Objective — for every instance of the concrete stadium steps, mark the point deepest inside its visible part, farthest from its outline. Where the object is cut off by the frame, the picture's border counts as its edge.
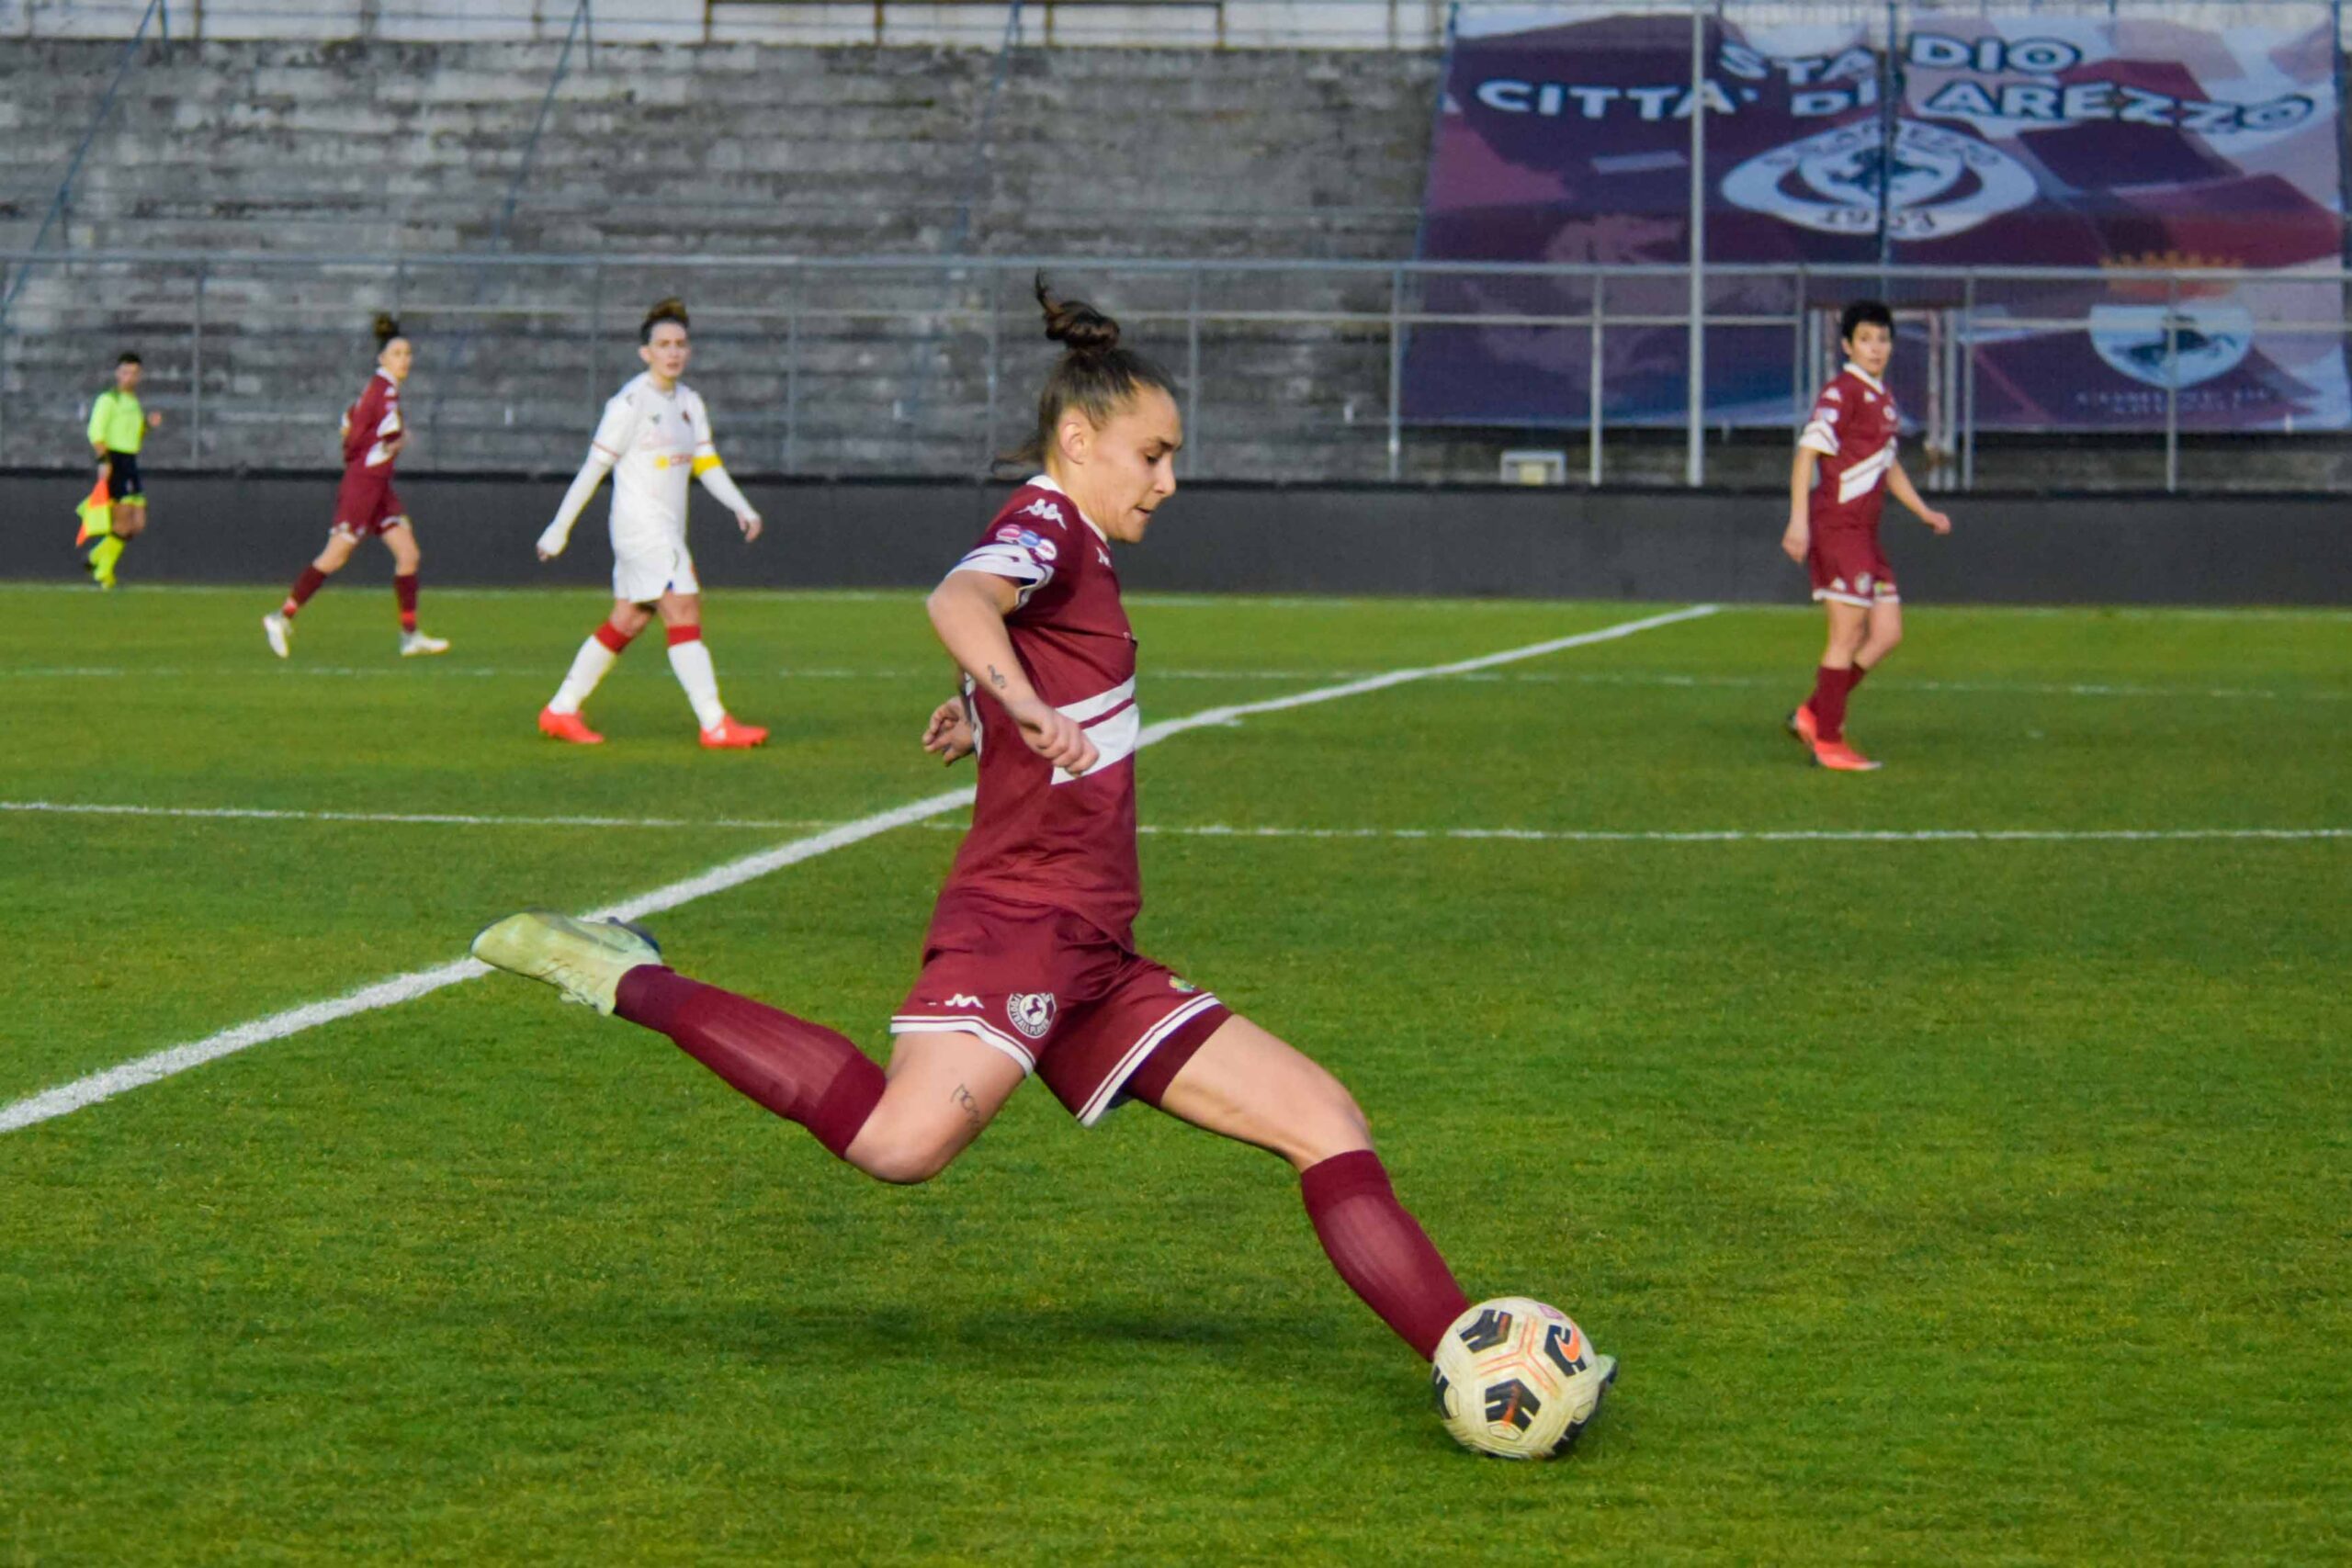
(269, 145)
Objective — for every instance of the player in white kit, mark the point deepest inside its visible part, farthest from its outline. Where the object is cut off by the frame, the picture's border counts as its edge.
(655, 435)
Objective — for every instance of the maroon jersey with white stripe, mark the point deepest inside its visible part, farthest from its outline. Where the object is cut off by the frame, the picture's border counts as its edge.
(369, 424)
(1853, 428)
(1040, 836)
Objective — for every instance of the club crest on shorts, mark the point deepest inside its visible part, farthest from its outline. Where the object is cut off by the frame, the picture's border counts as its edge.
(1032, 1012)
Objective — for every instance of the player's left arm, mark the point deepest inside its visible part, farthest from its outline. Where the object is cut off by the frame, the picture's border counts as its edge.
(715, 480)
(1899, 485)
(97, 431)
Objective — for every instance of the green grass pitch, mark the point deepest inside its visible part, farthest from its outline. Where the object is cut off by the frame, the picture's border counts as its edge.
(1949, 1199)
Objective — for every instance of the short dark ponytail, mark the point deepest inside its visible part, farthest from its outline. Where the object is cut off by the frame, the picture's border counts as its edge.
(1094, 374)
(386, 329)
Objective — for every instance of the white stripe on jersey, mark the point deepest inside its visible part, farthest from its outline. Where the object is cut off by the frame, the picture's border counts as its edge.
(1008, 560)
(1819, 437)
(1091, 708)
(1864, 477)
(1115, 739)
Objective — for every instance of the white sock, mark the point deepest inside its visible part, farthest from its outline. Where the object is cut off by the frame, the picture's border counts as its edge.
(691, 663)
(588, 667)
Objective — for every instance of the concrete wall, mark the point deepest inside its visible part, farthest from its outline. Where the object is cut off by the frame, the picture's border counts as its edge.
(1368, 540)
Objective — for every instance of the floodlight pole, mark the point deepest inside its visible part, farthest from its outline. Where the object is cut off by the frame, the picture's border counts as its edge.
(1695, 465)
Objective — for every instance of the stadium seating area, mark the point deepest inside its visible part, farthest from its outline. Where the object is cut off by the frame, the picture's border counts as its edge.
(368, 151)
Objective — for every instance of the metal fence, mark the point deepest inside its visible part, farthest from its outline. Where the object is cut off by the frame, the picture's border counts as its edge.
(902, 366)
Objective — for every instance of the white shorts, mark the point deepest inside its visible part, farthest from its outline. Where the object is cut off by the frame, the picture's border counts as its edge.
(641, 576)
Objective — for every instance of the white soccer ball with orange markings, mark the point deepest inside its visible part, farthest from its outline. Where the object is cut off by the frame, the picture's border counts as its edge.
(1516, 1379)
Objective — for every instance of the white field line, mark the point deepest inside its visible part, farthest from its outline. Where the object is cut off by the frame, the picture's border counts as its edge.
(1543, 677)
(1760, 835)
(86, 1091)
(1225, 830)
(425, 818)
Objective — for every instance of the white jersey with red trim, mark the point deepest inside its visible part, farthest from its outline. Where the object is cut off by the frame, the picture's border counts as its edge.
(657, 441)
(1040, 835)
(1853, 427)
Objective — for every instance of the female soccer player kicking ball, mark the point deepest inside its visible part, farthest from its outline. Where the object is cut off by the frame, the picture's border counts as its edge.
(655, 431)
(1030, 965)
(1833, 528)
(367, 506)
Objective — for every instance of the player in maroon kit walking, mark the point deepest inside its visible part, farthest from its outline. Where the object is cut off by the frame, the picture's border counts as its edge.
(1030, 964)
(1833, 528)
(367, 506)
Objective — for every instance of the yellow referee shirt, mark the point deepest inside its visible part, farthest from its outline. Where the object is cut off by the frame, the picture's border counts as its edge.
(117, 422)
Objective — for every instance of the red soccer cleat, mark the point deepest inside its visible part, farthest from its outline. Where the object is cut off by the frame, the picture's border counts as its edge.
(568, 726)
(1839, 757)
(728, 735)
(1801, 726)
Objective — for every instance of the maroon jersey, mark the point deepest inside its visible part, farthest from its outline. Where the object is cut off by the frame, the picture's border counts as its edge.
(1039, 835)
(370, 425)
(1853, 428)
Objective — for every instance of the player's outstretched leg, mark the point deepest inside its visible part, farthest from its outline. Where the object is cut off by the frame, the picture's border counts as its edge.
(801, 1071)
(1247, 1085)
(561, 718)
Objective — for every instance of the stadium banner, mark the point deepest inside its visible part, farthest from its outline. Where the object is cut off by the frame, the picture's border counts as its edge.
(2122, 144)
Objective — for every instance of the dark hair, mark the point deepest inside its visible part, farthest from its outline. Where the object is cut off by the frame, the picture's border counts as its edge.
(387, 329)
(1864, 314)
(128, 356)
(671, 309)
(1094, 374)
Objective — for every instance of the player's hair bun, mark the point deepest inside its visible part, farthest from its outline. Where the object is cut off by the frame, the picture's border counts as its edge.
(670, 310)
(1075, 324)
(386, 328)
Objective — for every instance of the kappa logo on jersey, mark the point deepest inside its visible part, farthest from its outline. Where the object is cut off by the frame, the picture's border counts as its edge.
(1045, 509)
(1031, 1012)
(1103, 555)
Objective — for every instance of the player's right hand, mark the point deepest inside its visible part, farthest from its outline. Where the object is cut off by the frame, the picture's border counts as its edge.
(551, 543)
(948, 736)
(1797, 540)
(1053, 735)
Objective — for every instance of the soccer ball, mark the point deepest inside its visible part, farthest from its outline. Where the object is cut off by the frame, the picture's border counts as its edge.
(1516, 1379)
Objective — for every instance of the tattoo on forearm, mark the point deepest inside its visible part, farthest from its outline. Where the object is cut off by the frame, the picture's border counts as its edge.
(996, 678)
(963, 1097)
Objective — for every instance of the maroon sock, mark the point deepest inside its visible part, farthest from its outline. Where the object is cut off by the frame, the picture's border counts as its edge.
(804, 1072)
(404, 590)
(1380, 1249)
(1854, 677)
(1829, 702)
(310, 582)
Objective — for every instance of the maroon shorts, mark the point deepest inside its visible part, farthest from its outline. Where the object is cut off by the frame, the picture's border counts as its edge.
(1058, 996)
(367, 504)
(1848, 566)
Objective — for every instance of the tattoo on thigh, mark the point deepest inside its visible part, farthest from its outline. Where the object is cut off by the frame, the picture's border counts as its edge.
(963, 1097)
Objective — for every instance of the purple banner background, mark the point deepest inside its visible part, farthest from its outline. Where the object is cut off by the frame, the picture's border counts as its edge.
(2017, 140)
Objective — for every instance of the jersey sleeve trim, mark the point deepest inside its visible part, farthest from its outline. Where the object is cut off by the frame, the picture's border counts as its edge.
(1819, 437)
(1009, 562)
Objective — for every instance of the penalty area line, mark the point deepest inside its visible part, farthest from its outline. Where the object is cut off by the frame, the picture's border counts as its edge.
(84, 1092)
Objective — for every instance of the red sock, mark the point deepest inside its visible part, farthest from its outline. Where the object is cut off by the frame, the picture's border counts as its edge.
(684, 633)
(1854, 677)
(804, 1072)
(1829, 702)
(1380, 1249)
(612, 637)
(310, 582)
(404, 590)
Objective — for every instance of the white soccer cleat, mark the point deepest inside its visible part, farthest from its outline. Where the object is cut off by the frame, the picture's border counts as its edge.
(583, 960)
(280, 632)
(415, 645)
